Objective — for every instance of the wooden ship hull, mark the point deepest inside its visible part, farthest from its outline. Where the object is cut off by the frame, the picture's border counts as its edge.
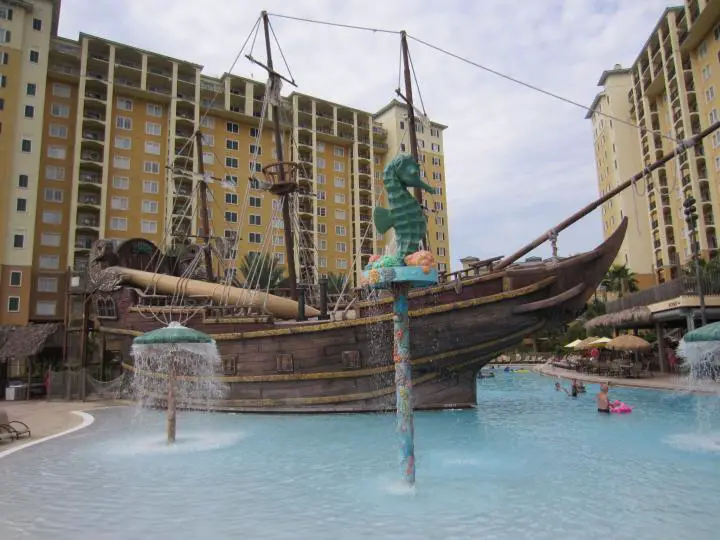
(346, 365)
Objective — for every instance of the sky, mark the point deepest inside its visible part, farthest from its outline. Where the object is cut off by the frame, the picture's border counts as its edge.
(517, 162)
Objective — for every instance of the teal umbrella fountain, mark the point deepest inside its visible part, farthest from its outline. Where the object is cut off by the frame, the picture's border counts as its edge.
(178, 363)
(701, 349)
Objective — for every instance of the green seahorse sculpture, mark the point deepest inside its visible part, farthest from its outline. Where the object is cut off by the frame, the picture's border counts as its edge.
(405, 214)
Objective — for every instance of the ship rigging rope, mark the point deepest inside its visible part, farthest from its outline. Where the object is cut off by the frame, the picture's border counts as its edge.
(479, 66)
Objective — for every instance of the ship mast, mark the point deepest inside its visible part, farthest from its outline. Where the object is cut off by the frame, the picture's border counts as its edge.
(204, 216)
(288, 186)
(408, 98)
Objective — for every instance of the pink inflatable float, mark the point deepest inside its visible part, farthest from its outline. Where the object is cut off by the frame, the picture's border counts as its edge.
(620, 407)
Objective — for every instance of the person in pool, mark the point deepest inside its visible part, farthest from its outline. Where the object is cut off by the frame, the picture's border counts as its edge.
(603, 402)
(559, 387)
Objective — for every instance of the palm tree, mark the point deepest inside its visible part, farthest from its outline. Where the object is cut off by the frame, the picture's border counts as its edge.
(336, 282)
(620, 279)
(259, 269)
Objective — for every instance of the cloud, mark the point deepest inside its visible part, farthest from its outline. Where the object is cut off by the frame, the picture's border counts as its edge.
(517, 161)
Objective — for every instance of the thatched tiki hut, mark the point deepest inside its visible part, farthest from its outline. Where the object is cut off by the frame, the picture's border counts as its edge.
(26, 352)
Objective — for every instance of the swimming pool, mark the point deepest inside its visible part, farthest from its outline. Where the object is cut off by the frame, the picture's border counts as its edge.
(528, 463)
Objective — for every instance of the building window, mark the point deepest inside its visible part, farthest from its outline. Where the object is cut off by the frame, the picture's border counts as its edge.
(58, 131)
(50, 239)
(123, 122)
(61, 90)
(37, 24)
(338, 166)
(123, 143)
(153, 128)
(4, 35)
(124, 104)
(53, 195)
(340, 198)
(15, 278)
(151, 186)
(26, 146)
(121, 182)
(119, 203)
(47, 284)
(231, 162)
(3, 80)
(340, 230)
(339, 151)
(153, 109)
(56, 152)
(339, 182)
(340, 214)
(59, 110)
(255, 219)
(255, 149)
(149, 227)
(152, 147)
(13, 304)
(233, 127)
(21, 205)
(46, 308)
(321, 163)
(121, 162)
(151, 167)
(321, 211)
(208, 158)
(6, 13)
(49, 262)
(231, 217)
(52, 217)
(231, 198)
(150, 207)
(232, 144)
(340, 247)
(321, 195)
(341, 263)
(34, 56)
(19, 240)
(29, 111)
(23, 181)
(118, 224)
(4, 58)
(256, 202)
(255, 238)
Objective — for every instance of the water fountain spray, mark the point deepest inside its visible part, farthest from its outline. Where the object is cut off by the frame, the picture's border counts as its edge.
(177, 365)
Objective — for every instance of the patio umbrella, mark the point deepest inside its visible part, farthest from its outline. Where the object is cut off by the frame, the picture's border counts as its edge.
(701, 347)
(628, 342)
(572, 344)
(593, 343)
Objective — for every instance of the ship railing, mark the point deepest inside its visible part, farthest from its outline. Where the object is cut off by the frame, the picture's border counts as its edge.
(477, 268)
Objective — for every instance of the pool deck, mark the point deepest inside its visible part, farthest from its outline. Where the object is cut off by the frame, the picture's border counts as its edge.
(47, 418)
(659, 381)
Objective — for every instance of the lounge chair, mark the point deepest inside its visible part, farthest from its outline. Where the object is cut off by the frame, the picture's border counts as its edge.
(15, 427)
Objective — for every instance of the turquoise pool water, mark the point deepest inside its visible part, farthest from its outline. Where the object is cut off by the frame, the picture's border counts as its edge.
(528, 463)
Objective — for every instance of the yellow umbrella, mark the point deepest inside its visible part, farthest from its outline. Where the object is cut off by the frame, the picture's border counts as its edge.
(572, 344)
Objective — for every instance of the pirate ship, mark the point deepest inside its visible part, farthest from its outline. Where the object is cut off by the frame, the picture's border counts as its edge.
(285, 355)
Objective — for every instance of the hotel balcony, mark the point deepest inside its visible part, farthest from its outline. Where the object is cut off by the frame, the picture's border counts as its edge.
(93, 118)
(90, 178)
(379, 131)
(87, 221)
(93, 139)
(89, 200)
(85, 241)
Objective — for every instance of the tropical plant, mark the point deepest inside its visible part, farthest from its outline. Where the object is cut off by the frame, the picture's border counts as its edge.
(336, 282)
(620, 279)
(262, 271)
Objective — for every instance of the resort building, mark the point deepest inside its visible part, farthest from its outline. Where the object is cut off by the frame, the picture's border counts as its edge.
(670, 92)
(97, 141)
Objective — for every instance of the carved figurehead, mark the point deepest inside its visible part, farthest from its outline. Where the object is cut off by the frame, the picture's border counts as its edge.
(405, 214)
(103, 274)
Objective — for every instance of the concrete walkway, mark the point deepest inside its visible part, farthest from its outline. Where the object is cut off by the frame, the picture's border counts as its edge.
(660, 381)
(45, 418)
